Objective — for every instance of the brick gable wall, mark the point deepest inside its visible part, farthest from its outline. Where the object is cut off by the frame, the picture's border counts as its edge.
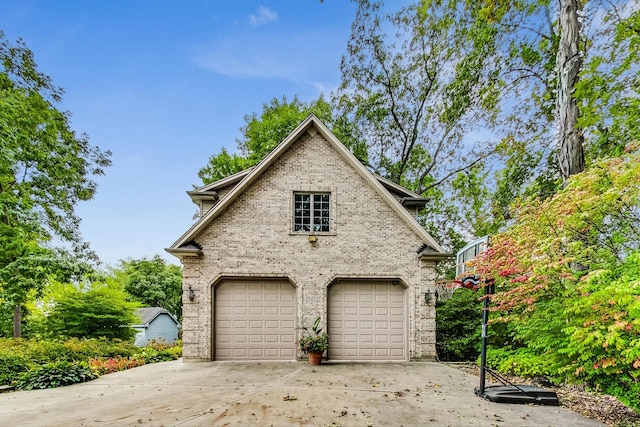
(253, 238)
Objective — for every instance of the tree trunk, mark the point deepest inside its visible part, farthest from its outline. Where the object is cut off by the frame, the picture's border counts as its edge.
(17, 321)
(569, 64)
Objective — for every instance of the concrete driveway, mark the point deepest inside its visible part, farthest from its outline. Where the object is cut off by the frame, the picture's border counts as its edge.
(276, 394)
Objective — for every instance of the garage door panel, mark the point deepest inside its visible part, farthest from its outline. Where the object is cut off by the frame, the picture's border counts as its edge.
(381, 311)
(366, 324)
(367, 321)
(237, 297)
(396, 325)
(366, 298)
(382, 298)
(239, 310)
(240, 324)
(382, 339)
(254, 320)
(396, 338)
(366, 311)
(287, 324)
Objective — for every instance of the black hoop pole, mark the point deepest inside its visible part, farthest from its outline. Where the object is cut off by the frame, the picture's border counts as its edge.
(488, 290)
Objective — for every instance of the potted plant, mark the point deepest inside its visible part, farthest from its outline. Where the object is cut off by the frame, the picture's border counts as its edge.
(315, 343)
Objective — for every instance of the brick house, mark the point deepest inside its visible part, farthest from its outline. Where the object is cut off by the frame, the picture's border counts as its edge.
(307, 232)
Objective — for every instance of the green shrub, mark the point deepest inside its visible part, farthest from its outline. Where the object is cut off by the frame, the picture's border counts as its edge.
(623, 387)
(458, 326)
(20, 355)
(85, 349)
(175, 351)
(55, 374)
(102, 311)
(11, 366)
(114, 364)
(520, 362)
(151, 355)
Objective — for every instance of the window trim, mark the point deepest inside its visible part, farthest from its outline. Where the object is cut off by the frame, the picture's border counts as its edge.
(332, 210)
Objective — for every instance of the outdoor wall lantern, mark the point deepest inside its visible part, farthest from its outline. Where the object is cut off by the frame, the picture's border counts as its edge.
(192, 294)
(427, 297)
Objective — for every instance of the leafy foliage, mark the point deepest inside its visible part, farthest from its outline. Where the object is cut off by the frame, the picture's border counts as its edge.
(114, 364)
(18, 356)
(415, 86)
(316, 341)
(45, 171)
(56, 374)
(153, 355)
(609, 88)
(568, 277)
(101, 311)
(22, 359)
(151, 282)
(458, 326)
(519, 362)
(413, 97)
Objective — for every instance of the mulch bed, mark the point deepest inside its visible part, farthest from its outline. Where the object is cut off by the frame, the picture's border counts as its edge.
(601, 407)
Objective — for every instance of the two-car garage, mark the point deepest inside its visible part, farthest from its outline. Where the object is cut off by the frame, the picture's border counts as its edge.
(256, 320)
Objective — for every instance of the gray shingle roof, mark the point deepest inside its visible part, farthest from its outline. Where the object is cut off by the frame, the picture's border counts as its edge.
(147, 314)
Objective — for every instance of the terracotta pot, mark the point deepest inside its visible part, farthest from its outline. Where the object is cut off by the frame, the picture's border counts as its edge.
(315, 358)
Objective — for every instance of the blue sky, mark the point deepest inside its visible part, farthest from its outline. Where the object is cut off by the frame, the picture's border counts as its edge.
(164, 85)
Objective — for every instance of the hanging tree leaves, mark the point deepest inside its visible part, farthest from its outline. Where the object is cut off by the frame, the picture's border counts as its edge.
(46, 169)
(413, 95)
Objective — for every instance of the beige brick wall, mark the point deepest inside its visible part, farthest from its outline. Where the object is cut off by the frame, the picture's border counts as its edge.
(254, 237)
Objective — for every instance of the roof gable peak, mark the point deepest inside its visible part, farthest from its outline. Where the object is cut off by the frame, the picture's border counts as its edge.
(311, 125)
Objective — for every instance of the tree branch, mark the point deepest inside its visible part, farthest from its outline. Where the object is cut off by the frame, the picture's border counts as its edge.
(422, 189)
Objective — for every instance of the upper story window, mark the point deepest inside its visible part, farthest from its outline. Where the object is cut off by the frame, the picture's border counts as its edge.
(311, 212)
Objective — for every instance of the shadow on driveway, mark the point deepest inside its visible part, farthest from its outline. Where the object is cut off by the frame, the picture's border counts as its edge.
(278, 394)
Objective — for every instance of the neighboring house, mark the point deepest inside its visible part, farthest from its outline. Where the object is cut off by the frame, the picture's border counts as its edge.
(155, 324)
(307, 232)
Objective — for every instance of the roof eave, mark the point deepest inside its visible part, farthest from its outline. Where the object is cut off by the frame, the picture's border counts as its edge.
(184, 252)
(414, 201)
(225, 182)
(396, 187)
(434, 256)
(197, 197)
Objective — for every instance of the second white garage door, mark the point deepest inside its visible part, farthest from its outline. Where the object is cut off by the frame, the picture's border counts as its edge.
(255, 320)
(367, 321)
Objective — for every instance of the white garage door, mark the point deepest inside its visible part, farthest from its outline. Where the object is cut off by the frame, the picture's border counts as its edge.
(255, 320)
(367, 321)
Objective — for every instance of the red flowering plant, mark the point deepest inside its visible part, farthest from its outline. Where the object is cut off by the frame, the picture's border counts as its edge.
(567, 276)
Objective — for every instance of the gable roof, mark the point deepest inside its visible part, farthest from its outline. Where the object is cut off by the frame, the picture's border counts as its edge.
(148, 314)
(210, 191)
(312, 125)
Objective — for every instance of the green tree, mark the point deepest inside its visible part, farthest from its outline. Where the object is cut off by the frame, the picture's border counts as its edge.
(580, 325)
(416, 85)
(263, 133)
(414, 98)
(554, 107)
(45, 171)
(99, 311)
(609, 89)
(151, 282)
